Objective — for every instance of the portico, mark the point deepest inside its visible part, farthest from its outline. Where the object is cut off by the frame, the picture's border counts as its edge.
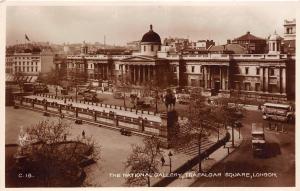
(141, 70)
(215, 76)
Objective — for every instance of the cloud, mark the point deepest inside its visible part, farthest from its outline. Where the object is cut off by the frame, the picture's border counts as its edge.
(121, 24)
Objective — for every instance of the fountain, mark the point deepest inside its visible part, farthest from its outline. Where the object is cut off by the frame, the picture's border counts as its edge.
(20, 156)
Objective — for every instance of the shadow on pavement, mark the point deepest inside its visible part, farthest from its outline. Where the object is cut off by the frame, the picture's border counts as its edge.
(272, 150)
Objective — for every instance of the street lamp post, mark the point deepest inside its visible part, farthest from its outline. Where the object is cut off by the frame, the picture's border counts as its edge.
(156, 99)
(56, 91)
(170, 155)
(232, 134)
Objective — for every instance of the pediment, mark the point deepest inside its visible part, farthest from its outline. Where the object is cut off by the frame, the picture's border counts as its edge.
(139, 59)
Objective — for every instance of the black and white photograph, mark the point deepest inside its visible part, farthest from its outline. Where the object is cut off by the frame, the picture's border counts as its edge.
(149, 94)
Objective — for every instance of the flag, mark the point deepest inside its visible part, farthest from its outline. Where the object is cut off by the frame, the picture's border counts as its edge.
(26, 37)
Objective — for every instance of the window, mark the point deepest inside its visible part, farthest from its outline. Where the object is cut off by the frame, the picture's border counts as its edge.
(36, 69)
(257, 71)
(144, 48)
(159, 48)
(174, 69)
(193, 82)
(193, 69)
(247, 70)
(152, 48)
(272, 72)
(31, 69)
(247, 86)
(257, 87)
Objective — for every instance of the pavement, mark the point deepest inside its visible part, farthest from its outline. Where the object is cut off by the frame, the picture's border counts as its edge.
(115, 148)
(275, 169)
(150, 117)
(220, 154)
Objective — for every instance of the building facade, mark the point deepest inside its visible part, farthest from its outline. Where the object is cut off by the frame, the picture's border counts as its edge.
(29, 64)
(268, 76)
(289, 36)
(253, 44)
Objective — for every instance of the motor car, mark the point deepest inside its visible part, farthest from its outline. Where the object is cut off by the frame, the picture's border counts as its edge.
(125, 132)
(83, 91)
(118, 95)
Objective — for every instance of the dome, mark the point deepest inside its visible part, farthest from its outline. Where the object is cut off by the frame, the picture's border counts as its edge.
(151, 37)
(274, 37)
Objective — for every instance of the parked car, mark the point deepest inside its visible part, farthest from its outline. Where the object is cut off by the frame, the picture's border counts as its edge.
(118, 95)
(90, 97)
(126, 132)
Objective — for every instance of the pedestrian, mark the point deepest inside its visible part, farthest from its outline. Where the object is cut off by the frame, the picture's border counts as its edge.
(162, 161)
(83, 134)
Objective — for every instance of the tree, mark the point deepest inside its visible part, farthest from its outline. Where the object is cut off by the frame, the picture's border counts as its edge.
(123, 86)
(228, 112)
(53, 159)
(53, 77)
(143, 162)
(199, 123)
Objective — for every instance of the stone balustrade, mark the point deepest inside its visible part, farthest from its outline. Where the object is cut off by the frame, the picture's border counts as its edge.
(110, 115)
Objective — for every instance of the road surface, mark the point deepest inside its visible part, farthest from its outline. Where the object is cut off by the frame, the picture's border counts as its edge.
(276, 169)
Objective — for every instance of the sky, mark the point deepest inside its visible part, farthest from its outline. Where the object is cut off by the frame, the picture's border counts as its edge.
(124, 23)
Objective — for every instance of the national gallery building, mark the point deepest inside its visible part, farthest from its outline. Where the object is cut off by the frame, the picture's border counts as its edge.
(268, 76)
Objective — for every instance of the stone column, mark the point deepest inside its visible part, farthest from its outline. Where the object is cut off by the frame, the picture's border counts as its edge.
(228, 82)
(283, 75)
(102, 68)
(262, 80)
(221, 80)
(107, 71)
(210, 76)
(154, 73)
(149, 72)
(138, 74)
(141, 74)
(279, 81)
(144, 74)
(266, 79)
(205, 76)
(133, 69)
